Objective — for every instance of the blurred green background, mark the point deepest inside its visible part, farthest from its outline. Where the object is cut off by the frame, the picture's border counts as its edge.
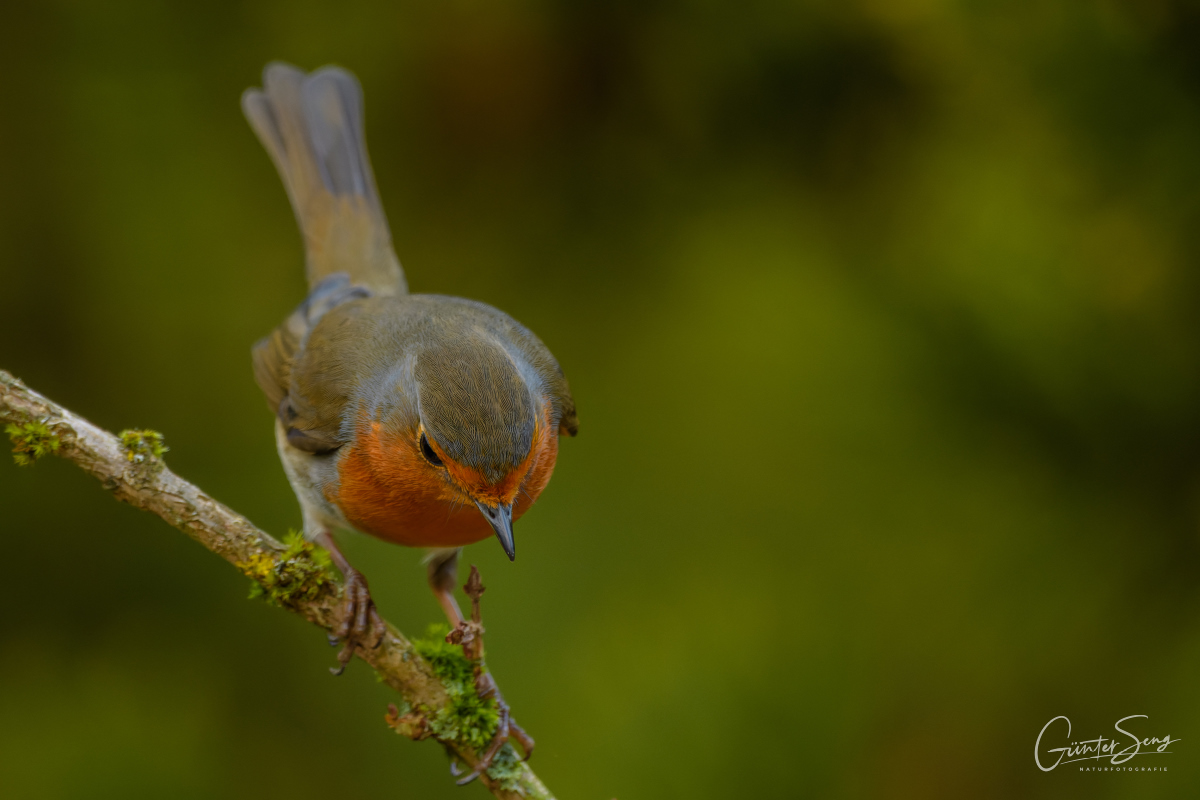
(883, 319)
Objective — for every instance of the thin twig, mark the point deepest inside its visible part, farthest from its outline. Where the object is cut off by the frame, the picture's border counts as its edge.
(146, 483)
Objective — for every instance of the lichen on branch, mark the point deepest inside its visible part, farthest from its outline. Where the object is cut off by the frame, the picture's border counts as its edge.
(302, 573)
(142, 445)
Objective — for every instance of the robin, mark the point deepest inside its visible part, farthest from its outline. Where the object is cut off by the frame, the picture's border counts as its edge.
(422, 420)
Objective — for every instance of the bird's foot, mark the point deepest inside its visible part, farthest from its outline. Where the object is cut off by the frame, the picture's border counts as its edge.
(469, 634)
(506, 730)
(359, 620)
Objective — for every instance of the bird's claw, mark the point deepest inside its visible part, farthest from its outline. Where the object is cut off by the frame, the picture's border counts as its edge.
(507, 730)
(359, 619)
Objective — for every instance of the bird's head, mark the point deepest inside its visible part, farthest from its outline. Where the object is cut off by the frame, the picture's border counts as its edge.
(482, 425)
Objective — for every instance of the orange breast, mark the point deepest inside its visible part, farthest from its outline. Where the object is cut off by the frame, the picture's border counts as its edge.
(387, 489)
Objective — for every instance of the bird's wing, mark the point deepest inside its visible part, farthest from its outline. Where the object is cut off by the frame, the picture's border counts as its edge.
(312, 422)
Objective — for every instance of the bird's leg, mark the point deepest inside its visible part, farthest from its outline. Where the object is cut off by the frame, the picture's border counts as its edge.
(359, 615)
(470, 635)
(442, 569)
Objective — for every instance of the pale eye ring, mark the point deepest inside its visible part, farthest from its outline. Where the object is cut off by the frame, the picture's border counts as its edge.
(428, 453)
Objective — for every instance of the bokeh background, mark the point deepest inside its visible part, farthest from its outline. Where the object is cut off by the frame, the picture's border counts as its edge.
(883, 319)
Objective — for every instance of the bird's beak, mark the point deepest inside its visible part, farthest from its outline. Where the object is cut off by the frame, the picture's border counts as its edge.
(500, 518)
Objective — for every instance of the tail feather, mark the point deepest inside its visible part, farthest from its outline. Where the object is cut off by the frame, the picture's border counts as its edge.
(311, 126)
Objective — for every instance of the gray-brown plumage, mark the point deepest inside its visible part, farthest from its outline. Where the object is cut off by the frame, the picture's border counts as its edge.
(312, 127)
(476, 371)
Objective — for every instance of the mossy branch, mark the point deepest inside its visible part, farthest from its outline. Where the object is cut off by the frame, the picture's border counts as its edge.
(290, 575)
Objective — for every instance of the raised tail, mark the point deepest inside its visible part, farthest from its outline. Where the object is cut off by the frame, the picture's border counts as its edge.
(312, 127)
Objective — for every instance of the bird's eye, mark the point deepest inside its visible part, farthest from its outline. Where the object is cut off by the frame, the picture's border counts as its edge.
(427, 451)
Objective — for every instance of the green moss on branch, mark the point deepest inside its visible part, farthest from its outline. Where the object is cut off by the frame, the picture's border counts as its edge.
(31, 441)
(446, 660)
(301, 574)
(466, 719)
